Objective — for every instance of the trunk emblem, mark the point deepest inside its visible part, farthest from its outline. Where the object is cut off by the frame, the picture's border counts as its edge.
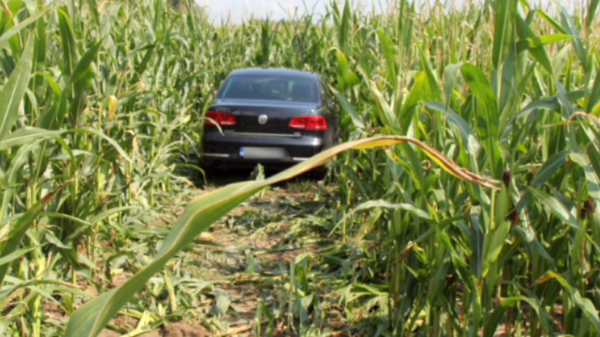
(262, 119)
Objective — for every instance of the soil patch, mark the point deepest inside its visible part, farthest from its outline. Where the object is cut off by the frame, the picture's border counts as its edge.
(179, 329)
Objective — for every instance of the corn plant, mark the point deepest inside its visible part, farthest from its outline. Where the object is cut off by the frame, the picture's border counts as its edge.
(101, 103)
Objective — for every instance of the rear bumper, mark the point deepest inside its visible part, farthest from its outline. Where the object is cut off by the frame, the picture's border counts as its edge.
(224, 150)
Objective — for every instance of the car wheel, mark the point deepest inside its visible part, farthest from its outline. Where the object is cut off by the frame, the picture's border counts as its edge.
(206, 167)
(320, 173)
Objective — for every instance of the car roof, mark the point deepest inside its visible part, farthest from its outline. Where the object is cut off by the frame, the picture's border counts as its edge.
(275, 72)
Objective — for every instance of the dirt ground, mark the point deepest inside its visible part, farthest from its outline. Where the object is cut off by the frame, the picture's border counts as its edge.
(259, 228)
(180, 329)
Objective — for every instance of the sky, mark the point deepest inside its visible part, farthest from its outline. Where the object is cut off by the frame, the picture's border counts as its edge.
(238, 10)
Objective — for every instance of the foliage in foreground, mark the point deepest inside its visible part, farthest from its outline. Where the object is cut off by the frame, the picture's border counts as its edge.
(98, 101)
(206, 209)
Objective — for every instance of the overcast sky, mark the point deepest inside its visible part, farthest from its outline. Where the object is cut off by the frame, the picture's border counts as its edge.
(237, 10)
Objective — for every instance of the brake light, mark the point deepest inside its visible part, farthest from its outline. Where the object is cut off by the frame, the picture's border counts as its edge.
(221, 118)
(309, 123)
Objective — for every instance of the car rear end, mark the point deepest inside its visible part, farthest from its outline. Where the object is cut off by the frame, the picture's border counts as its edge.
(262, 118)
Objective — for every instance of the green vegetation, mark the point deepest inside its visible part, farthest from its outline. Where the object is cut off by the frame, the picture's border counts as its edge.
(478, 216)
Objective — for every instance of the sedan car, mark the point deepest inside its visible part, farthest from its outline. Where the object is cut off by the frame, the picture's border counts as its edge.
(275, 117)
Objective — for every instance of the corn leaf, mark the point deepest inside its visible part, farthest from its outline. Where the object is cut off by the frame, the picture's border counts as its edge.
(503, 28)
(488, 116)
(5, 37)
(14, 90)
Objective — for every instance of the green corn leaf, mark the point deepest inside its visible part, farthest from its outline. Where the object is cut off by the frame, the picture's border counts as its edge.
(503, 28)
(90, 319)
(84, 63)
(547, 172)
(536, 50)
(40, 46)
(566, 213)
(433, 85)
(53, 240)
(385, 205)
(498, 315)
(29, 135)
(438, 283)
(591, 13)
(344, 29)
(586, 306)
(16, 254)
(142, 66)
(346, 106)
(593, 180)
(540, 41)
(495, 242)
(467, 134)
(594, 99)
(100, 134)
(97, 218)
(68, 42)
(65, 216)
(555, 24)
(549, 169)
(26, 136)
(488, 118)
(552, 104)
(93, 8)
(52, 83)
(6, 36)
(52, 118)
(450, 79)
(594, 158)
(14, 90)
(19, 284)
(346, 77)
(388, 117)
(419, 92)
(390, 59)
(569, 26)
(10, 177)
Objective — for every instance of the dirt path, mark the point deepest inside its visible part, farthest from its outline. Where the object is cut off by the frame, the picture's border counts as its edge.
(251, 265)
(244, 264)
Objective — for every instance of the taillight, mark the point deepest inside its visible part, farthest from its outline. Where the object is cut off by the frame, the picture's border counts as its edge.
(309, 123)
(221, 118)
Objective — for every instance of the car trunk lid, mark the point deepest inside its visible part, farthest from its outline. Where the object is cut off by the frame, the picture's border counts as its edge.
(264, 118)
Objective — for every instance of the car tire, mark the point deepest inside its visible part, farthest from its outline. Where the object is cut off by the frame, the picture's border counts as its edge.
(206, 167)
(321, 173)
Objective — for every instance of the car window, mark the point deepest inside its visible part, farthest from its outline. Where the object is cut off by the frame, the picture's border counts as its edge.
(271, 88)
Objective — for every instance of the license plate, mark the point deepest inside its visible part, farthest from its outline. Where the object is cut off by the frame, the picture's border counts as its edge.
(262, 153)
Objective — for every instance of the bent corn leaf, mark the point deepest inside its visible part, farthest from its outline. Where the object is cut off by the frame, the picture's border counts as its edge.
(203, 211)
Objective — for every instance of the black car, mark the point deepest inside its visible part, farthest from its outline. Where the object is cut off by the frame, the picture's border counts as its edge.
(275, 117)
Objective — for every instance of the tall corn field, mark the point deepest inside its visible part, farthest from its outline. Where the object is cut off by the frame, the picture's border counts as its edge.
(476, 217)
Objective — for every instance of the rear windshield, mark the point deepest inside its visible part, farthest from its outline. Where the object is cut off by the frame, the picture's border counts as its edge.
(271, 88)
